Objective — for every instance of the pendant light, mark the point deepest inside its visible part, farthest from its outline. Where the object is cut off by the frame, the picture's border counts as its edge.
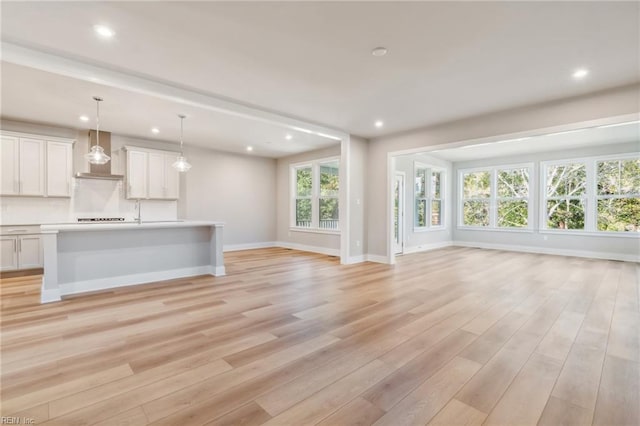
(97, 155)
(181, 163)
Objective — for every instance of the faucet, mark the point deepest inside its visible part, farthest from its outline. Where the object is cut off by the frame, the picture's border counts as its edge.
(139, 217)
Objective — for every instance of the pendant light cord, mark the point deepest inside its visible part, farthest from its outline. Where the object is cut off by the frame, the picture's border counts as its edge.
(182, 117)
(97, 122)
(98, 100)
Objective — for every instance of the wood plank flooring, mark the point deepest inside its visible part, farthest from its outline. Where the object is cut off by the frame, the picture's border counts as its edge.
(448, 337)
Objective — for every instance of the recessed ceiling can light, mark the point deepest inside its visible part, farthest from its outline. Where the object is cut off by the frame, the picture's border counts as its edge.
(155, 130)
(288, 137)
(378, 124)
(103, 31)
(84, 118)
(379, 51)
(249, 148)
(580, 73)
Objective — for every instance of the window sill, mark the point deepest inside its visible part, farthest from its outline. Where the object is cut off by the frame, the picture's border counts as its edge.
(486, 228)
(429, 229)
(315, 231)
(591, 233)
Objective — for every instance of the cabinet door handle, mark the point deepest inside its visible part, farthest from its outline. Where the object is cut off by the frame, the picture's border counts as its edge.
(19, 245)
(15, 246)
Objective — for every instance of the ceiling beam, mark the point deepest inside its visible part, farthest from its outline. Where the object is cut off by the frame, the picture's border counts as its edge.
(73, 68)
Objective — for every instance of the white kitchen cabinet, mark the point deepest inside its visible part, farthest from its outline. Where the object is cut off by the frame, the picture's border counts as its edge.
(8, 253)
(29, 251)
(59, 169)
(156, 175)
(21, 252)
(171, 177)
(150, 174)
(31, 167)
(35, 166)
(9, 154)
(137, 174)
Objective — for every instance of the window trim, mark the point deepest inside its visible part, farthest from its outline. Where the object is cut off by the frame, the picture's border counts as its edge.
(315, 195)
(493, 198)
(429, 197)
(590, 197)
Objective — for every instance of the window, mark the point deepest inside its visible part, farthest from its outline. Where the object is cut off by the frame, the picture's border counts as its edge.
(513, 197)
(428, 197)
(496, 197)
(566, 195)
(328, 201)
(592, 194)
(304, 188)
(316, 195)
(476, 193)
(618, 195)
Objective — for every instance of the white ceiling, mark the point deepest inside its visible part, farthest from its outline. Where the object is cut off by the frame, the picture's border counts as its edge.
(37, 96)
(582, 138)
(447, 60)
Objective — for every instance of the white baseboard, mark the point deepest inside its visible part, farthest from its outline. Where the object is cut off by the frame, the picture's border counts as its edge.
(356, 259)
(427, 247)
(49, 295)
(248, 246)
(552, 251)
(133, 279)
(313, 249)
(377, 258)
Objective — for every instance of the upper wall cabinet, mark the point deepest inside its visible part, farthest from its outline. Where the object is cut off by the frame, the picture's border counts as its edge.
(150, 174)
(35, 165)
(59, 169)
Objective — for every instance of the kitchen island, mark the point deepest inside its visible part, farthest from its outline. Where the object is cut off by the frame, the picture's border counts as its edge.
(81, 258)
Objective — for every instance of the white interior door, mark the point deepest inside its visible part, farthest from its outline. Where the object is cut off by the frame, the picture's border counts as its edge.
(398, 213)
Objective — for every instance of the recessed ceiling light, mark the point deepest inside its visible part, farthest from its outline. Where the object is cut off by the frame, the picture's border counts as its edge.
(84, 118)
(379, 51)
(580, 73)
(103, 31)
(249, 148)
(155, 130)
(378, 124)
(288, 137)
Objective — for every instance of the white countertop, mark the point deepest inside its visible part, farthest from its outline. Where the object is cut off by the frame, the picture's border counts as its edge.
(126, 226)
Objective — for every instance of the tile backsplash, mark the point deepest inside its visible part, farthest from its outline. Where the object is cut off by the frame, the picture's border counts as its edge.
(90, 198)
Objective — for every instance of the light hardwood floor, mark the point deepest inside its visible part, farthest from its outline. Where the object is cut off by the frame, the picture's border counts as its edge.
(454, 336)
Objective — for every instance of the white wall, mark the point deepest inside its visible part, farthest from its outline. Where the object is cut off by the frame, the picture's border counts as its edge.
(322, 242)
(235, 189)
(416, 240)
(616, 247)
(358, 152)
(611, 103)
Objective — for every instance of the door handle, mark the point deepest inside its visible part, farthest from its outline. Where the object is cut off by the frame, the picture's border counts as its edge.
(20, 246)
